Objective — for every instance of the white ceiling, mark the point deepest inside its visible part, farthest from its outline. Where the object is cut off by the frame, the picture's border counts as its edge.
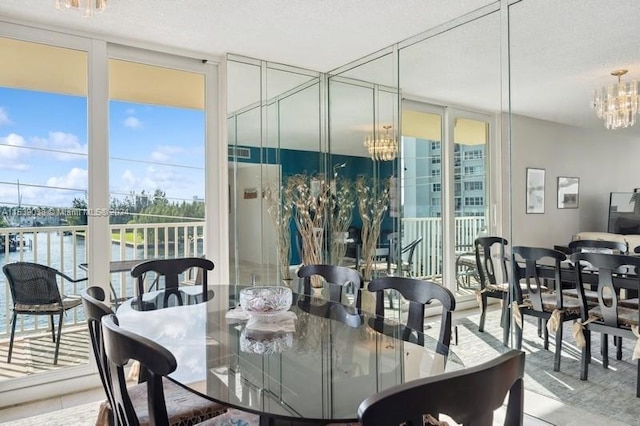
(560, 49)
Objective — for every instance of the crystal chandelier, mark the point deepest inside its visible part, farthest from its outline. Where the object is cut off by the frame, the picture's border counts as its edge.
(382, 147)
(617, 104)
(88, 7)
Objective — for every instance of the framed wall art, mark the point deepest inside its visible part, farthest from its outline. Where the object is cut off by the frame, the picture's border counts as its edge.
(568, 192)
(535, 190)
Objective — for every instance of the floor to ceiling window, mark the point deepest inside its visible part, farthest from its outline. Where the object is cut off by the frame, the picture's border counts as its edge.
(156, 162)
(43, 183)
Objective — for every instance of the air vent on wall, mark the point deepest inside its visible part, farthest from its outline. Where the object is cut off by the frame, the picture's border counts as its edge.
(239, 152)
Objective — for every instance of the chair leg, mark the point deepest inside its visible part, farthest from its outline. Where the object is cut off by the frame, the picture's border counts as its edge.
(13, 331)
(618, 348)
(539, 327)
(605, 350)
(483, 313)
(586, 355)
(545, 333)
(556, 355)
(638, 380)
(53, 329)
(506, 326)
(519, 332)
(55, 357)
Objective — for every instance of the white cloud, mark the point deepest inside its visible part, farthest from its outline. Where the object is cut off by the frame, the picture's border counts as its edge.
(66, 146)
(77, 178)
(132, 122)
(130, 111)
(4, 117)
(12, 153)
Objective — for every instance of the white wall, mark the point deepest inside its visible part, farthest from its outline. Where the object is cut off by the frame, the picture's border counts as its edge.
(603, 160)
(255, 231)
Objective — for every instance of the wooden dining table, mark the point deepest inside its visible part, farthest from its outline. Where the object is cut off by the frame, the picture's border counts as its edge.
(315, 367)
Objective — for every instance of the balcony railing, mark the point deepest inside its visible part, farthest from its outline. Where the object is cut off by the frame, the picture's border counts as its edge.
(64, 248)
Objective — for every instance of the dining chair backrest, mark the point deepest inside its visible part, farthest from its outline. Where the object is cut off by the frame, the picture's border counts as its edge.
(337, 278)
(120, 346)
(418, 293)
(402, 257)
(468, 396)
(171, 270)
(93, 299)
(598, 246)
(527, 264)
(485, 248)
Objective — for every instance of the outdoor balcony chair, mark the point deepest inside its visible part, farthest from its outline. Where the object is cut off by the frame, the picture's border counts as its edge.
(34, 291)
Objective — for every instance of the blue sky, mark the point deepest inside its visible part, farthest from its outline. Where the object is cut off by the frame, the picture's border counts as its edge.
(43, 141)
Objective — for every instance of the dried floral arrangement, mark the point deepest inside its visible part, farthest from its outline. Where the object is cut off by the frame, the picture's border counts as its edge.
(373, 201)
(341, 205)
(279, 209)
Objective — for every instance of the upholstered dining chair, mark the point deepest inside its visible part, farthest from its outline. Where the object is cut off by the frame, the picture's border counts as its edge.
(183, 407)
(120, 346)
(609, 316)
(337, 279)
(554, 308)
(418, 293)
(171, 270)
(494, 281)
(468, 396)
(34, 291)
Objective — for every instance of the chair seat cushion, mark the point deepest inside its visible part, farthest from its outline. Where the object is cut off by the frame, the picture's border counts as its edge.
(626, 316)
(68, 302)
(590, 295)
(233, 417)
(184, 407)
(570, 305)
(504, 287)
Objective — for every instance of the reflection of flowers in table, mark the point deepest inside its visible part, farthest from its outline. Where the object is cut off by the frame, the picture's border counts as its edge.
(265, 343)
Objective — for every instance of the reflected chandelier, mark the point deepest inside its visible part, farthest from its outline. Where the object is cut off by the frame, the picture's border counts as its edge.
(617, 104)
(382, 147)
(89, 7)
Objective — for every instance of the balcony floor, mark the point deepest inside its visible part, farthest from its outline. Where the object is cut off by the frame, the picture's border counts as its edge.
(33, 353)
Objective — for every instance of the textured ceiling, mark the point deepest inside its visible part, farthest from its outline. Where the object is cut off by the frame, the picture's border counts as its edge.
(315, 34)
(560, 49)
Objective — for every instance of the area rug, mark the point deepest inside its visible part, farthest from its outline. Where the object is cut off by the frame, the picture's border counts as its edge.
(608, 392)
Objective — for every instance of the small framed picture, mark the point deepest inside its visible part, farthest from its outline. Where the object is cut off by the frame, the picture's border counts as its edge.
(568, 192)
(535, 190)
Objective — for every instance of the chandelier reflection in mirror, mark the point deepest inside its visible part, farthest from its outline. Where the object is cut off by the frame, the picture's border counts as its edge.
(382, 147)
(88, 7)
(617, 104)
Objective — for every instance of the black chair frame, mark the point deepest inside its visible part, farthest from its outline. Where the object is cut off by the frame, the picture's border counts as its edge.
(488, 278)
(608, 318)
(419, 293)
(171, 269)
(469, 396)
(33, 284)
(338, 279)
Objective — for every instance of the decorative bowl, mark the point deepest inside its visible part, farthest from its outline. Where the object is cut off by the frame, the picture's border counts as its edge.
(265, 343)
(265, 301)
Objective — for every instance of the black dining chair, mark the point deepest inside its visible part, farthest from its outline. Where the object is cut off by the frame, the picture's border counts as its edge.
(120, 346)
(468, 396)
(34, 291)
(494, 281)
(418, 293)
(171, 270)
(554, 308)
(337, 278)
(182, 405)
(609, 317)
(598, 246)
(400, 260)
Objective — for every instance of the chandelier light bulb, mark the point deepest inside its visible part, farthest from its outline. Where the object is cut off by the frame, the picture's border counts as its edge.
(617, 105)
(88, 7)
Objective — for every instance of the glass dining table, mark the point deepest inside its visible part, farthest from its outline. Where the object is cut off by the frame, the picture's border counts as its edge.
(313, 365)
